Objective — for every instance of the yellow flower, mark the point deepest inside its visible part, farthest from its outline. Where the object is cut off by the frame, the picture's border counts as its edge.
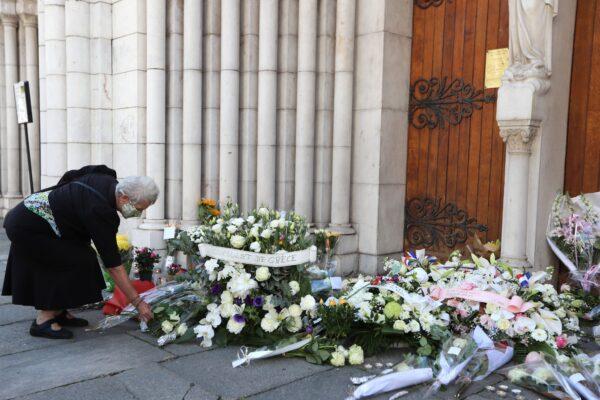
(343, 301)
(123, 242)
(332, 303)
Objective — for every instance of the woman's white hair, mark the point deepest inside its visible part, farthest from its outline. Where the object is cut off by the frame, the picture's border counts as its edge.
(138, 188)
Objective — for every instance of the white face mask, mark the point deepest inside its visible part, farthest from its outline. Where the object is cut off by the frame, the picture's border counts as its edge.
(128, 210)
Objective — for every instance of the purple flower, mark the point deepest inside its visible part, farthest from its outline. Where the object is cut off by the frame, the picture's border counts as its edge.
(239, 318)
(237, 301)
(309, 329)
(248, 300)
(216, 289)
(258, 302)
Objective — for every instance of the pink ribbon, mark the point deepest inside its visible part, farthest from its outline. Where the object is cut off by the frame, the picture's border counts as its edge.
(467, 291)
(588, 277)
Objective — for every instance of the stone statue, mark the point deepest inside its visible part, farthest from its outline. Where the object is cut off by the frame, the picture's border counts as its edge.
(530, 45)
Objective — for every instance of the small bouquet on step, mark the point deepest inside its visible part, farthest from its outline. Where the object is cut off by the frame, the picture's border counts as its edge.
(574, 236)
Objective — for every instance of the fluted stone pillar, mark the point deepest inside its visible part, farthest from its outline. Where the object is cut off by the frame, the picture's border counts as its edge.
(78, 83)
(3, 150)
(342, 115)
(28, 15)
(267, 97)
(42, 90)
(324, 116)
(518, 136)
(212, 91)
(305, 122)
(192, 106)
(174, 123)
(11, 57)
(56, 106)
(248, 103)
(287, 70)
(230, 100)
(155, 107)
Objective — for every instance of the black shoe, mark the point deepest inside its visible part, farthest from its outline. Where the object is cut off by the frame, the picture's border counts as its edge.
(45, 330)
(63, 320)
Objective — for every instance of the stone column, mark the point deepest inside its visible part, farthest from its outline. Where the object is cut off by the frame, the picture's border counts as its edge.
(192, 106)
(248, 104)
(156, 13)
(518, 136)
(9, 24)
(230, 100)
(28, 15)
(324, 116)
(78, 83)
(342, 115)
(287, 71)
(101, 79)
(56, 105)
(3, 150)
(305, 122)
(174, 126)
(267, 97)
(212, 82)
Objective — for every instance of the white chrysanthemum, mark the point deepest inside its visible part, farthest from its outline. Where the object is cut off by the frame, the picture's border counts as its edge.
(294, 287)
(270, 322)
(166, 326)
(262, 273)
(206, 333)
(241, 284)
(540, 335)
(355, 355)
(337, 359)
(237, 241)
(255, 247)
(181, 329)
(308, 303)
(295, 310)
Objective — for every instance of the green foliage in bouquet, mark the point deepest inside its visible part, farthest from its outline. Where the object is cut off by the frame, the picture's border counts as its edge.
(145, 258)
(126, 258)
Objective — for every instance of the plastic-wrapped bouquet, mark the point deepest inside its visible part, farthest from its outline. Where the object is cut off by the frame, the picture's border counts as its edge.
(541, 377)
(574, 235)
(579, 371)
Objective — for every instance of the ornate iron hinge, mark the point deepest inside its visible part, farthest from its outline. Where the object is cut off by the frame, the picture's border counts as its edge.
(428, 223)
(428, 3)
(434, 102)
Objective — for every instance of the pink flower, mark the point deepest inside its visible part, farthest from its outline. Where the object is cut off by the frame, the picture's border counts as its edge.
(533, 356)
(561, 341)
(453, 303)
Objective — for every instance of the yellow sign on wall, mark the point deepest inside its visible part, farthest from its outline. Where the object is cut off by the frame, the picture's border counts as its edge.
(496, 61)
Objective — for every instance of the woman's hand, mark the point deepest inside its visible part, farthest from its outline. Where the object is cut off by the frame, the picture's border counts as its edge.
(145, 311)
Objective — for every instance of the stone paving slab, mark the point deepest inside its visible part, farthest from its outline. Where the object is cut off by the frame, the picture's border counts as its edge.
(95, 389)
(37, 370)
(182, 349)
(10, 313)
(212, 371)
(153, 382)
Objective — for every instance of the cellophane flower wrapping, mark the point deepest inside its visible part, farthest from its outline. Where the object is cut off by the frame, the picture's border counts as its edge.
(411, 371)
(582, 373)
(541, 377)
(574, 235)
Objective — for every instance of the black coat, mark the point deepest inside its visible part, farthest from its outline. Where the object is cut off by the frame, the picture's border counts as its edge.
(55, 273)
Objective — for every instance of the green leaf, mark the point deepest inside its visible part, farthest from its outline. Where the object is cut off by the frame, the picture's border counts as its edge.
(423, 341)
(323, 354)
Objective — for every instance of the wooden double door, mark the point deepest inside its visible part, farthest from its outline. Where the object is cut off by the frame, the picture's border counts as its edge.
(455, 165)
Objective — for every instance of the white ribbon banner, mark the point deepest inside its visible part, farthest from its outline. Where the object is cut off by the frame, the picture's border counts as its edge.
(251, 258)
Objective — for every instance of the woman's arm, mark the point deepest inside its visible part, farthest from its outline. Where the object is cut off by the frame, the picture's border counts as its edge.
(119, 275)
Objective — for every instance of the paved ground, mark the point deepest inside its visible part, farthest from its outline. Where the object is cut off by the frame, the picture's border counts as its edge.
(124, 363)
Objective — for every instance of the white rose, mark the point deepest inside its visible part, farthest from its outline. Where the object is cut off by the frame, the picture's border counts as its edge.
(166, 326)
(234, 326)
(308, 303)
(232, 228)
(262, 273)
(294, 287)
(524, 325)
(251, 219)
(414, 326)
(238, 221)
(356, 355)
(266, 234)
(174, 317)
(274, 224)
(217, 228)
(294, 324)
(182, 329)
(503, 324)
(255, 247)
(263, 211)
(539, 335)
(254, 231)
(337, 359)
(295, 310)
(237, 241)
(400, 325)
